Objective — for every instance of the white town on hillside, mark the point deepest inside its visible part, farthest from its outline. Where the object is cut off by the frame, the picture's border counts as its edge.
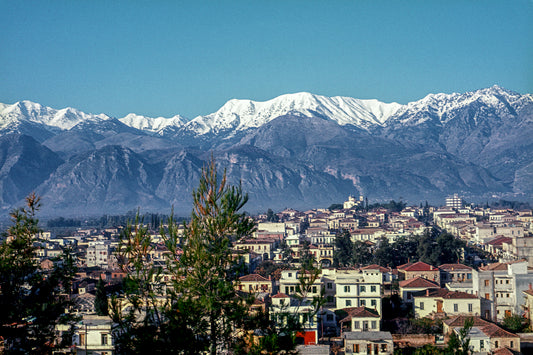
(356, 314)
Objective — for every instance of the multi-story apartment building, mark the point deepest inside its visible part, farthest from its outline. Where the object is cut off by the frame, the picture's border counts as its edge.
(358, 288)
(98, 254)
(500, 287)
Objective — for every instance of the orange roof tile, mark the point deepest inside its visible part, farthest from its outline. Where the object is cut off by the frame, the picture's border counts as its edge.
(418, 282)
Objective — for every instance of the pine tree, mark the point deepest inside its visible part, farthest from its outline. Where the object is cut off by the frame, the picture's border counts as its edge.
(207, 268)
(32, 300)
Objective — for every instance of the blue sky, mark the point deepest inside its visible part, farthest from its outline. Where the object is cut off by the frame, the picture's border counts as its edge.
(161, 58)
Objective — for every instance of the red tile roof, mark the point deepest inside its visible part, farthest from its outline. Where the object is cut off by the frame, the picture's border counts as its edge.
(447, 294)
(253, 277)
(418, 282)
(280, 295)
(493, 331)
(452, 267)
(418, 266)
(359, 312)
(375, 267)
(459, 321)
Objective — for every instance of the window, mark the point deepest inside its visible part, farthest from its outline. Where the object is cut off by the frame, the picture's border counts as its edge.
(481, 344)
(346, 288)
(373, 324)
(329, 285)
(314, 289)
(363, 288)
(455, 307)
(82, 339)
(487, 296)
(496, 344)
(512, 344)
(486, 283)
(330, 299)
(355, 348)
(383, 348)
(290, 274)
(105, 339)
(356, 324)
(363, 303)
(470, 307)
(373, 303)
(372, 288)
(365, 325)
(507, 282)
(348, 303)
(286, 290)
(329, 317)
(421, 305)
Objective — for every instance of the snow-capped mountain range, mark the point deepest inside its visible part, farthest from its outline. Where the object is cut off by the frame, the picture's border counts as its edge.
(300, 149)
(241, 115)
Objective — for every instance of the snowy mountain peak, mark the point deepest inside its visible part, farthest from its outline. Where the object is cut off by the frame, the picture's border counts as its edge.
(63, 119)
(240, 115)
(154, 125)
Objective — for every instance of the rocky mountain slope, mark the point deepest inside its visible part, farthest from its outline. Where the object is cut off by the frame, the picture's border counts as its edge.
(298, 150)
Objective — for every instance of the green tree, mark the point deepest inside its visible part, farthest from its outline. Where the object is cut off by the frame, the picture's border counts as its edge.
(207, 269)
(271, 216)
(344, 249)
(32, 300)
(362, 253)
(459, 343)
(514, 323)
(101, 300)
(137, 315)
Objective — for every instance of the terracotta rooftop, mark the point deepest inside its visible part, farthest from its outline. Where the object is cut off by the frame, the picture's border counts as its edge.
(447, 294)
(459, 321)
(359, 312)
(418, 266)
(253, 277)
(418, 282)
(505, 351)
(280, 295)
(529, 292)
(375, 267)
(453, 267)
(499, 240)
(493, 331)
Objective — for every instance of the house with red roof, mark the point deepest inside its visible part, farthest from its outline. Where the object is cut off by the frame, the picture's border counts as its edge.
(485, 337)
(444, 303)
(254, 283)
(415, 286)
(419, 269)
(360, 319)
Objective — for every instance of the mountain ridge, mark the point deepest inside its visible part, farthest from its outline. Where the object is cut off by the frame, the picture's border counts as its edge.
(302, 150)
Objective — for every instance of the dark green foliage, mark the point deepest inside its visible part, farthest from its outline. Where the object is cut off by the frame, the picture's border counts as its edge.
(271, 216)
(392, 205)
(515, 323)
(336, 206)
(459, 344)
(443, 249)
(207, 265)
(344, 249)
(362, 253)
(101, 300)
(32, 300)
